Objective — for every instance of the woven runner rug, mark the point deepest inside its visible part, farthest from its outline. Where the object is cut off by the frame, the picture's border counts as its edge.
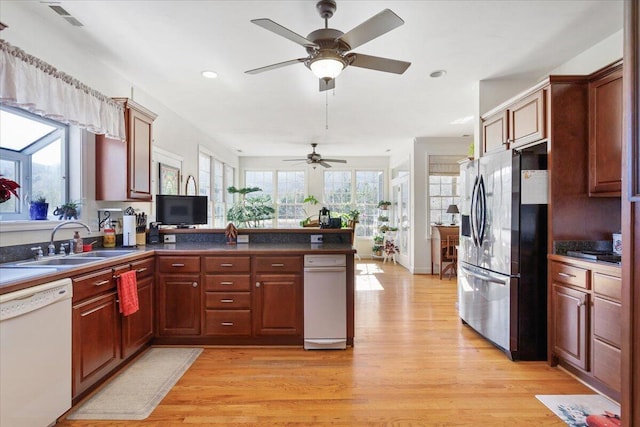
(135, 392)
(583, 410)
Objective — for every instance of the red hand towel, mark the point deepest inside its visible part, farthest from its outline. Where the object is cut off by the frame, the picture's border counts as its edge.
(128, 292)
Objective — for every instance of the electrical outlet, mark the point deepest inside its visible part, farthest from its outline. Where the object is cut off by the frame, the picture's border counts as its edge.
(169, 238)
(243, 238)
(316, 238)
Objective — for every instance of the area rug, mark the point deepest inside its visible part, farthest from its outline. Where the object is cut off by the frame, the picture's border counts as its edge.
(583, 410)
(137, 390)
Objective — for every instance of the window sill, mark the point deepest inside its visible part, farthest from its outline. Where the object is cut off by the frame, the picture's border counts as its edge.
(24, 225)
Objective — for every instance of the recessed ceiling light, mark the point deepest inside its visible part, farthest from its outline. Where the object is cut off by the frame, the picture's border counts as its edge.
(462, 120)
(438, 73)
(209, 74)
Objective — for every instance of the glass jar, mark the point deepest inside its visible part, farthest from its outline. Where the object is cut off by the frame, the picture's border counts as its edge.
(109, 238)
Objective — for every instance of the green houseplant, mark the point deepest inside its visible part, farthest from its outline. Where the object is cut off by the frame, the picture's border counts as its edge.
(308, 222)
(384, 204)
(250, 212)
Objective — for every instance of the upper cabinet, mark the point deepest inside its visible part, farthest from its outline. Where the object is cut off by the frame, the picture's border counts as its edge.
(123, 168)
(517, 124)
(605, 132)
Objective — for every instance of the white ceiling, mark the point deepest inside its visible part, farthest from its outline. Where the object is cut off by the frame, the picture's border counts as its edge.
(162, 46)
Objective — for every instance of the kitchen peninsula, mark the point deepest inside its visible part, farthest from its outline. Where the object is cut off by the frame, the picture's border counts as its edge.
(197, 290)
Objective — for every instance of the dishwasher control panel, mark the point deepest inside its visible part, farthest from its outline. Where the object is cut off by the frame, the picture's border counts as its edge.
(325, 260)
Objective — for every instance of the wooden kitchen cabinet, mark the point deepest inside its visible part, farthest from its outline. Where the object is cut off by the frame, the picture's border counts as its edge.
(570, 325)
(137, 328)
(179, 296)
(605, 132)
(527, 120)
(227, 296)
(123, 168)
(277, 296)
(96, 329)
(495, 132)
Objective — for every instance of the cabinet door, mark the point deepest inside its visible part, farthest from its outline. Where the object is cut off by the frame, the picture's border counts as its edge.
(607, 339)
(494, 132)
(96, 340)
(140, 140)
(527, 120)
(179, 305)
(277, 308)
(605, 135)
(570, 325)
(137, 329)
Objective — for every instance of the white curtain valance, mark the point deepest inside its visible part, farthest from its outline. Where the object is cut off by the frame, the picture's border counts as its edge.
(31, 84)
(444, 165)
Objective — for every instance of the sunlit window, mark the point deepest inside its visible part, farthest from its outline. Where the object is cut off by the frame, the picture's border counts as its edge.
(33, 152)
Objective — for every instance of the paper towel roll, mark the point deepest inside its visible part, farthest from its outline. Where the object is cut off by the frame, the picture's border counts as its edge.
(128, 230)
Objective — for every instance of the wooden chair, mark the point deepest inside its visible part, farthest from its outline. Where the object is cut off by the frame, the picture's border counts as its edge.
(450, 255)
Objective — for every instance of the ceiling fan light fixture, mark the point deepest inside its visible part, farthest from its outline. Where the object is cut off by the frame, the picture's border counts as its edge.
(327, 68)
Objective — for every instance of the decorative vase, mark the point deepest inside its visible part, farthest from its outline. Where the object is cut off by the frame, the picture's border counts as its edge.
(38, 211)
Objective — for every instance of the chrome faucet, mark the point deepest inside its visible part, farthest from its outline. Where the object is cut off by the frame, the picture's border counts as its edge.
(51, 248)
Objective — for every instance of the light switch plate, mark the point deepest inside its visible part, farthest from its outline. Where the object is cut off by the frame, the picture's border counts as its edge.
(243, 238)
(316, 238)
(169, 238)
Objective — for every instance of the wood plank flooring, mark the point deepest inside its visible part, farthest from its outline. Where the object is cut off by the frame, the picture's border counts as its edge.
(413, 364)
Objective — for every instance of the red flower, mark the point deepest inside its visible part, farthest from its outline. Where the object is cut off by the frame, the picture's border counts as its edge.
(7, 188)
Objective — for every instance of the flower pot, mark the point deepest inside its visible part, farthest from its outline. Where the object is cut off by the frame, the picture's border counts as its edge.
(38, 211)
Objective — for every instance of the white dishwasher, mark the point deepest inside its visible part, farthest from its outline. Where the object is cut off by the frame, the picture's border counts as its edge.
(325, 302)
(35, 354)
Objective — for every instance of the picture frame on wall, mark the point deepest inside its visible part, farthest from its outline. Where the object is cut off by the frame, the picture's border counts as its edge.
(169, 182)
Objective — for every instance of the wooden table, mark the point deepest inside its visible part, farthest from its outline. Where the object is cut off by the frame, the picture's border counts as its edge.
(439, 235)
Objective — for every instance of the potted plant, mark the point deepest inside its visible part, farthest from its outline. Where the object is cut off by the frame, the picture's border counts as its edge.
(68, 210)
(384, 204)
(250, 212)
(383, 228)
(383, 218)
(39, 208)
(7, 188)
(377, 250)
(308, 222)
(352, 217)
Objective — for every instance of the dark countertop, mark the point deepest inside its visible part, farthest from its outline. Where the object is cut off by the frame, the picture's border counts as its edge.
(183, 248)
(611, 267)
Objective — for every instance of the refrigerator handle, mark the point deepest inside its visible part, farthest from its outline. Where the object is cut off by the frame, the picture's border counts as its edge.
(472, 213)
(484, 277)
(482, 201)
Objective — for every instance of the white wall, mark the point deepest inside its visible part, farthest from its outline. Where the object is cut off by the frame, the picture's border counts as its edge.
(63, 47)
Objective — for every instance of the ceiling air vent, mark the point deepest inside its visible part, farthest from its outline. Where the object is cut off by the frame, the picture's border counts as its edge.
(66, 15)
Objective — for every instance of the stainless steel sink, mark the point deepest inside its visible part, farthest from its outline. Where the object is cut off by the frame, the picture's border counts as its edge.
(107, 253)
(70, 261)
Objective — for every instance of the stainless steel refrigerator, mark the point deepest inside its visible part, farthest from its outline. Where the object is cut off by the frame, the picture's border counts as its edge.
(502, 277)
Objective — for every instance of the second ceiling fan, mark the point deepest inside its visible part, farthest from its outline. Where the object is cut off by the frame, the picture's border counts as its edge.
(314, 158)
(329, 50)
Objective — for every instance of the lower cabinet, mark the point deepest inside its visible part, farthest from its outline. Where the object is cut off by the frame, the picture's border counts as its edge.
(585, 330)
(278, 305)
(179, 305)
(137, 328)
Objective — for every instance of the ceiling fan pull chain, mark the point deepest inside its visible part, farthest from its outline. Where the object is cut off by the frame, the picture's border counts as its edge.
(326, 113)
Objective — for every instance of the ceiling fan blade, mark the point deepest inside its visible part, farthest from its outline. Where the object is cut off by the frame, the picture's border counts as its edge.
(373, 27)
(335, 160)
(327, 85)
(378, 63)
(274, 27)
(325, 164)
(294, 160)
(274, 66)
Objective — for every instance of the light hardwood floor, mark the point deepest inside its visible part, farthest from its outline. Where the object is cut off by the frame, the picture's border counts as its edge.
(413, 364)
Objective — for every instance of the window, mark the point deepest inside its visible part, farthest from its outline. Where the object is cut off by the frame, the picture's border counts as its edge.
(369, 190)
(33, 152)
(337, 191)
(264, 181)
(214, 178)
(444, 188)
(289, 207)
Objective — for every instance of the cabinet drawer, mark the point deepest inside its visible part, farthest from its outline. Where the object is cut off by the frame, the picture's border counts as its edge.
(278, 264)
(607, 364)
(228, 300)
(228, 322)
(179, 264)
(570, 275)
(143, 268)
(236, 264)
(92, 284)
(606, 285)
(228, 282)
(607, 317)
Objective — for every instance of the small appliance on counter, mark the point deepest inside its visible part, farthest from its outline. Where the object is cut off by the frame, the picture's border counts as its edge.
(154, 233)
(617, 243)
(324, 218)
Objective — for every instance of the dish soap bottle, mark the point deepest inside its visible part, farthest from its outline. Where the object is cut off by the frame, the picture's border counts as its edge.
(77, 243)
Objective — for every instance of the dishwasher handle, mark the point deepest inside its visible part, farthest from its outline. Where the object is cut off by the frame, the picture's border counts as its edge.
(325, 269)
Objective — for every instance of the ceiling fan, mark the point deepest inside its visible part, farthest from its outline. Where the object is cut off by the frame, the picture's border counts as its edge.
(314, 158)
(329, 49)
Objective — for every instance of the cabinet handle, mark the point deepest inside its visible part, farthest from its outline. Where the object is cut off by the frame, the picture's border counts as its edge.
(226, 265)
(257, 284)
(226, 300)
(101, 283)
(194, 284)
(226, 283)
(561, 274)
(226, 323)
(141, 270)
(177, 264)
(581, 303)
(277, 265)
